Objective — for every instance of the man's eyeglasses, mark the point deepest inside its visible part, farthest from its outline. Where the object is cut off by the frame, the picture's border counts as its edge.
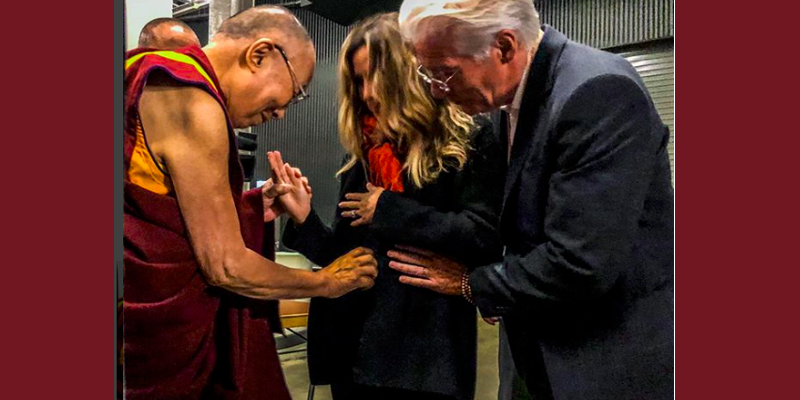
(298, 97)
(440, 84)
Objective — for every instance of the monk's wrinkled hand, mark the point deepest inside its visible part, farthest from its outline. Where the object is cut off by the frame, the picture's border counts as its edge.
(427, 270)
(354, 270)
(272, 208)
(361, 206)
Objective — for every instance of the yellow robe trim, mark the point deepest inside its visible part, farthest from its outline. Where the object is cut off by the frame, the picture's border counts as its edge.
(144, 170)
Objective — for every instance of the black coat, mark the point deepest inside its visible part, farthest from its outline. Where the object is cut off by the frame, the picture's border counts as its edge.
(586, 286)
(396, 335)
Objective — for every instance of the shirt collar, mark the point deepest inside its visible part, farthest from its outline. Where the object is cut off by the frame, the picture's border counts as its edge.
(517, 102)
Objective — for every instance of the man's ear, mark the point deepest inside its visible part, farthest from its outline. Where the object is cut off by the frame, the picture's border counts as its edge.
(257, 52)
(506, 42)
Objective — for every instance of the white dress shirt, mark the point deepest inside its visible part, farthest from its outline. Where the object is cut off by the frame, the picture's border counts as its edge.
(513, 108)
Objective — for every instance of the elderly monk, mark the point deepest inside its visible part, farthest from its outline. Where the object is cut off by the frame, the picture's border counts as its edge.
(167, 34)
(197, 293)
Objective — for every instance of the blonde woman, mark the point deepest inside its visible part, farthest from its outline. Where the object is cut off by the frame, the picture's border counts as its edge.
(420, 172)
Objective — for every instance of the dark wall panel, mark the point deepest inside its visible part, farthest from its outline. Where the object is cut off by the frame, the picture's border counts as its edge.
(347, 12)
(308, 136)
(610, 23)
(198, 21)
(200, 26)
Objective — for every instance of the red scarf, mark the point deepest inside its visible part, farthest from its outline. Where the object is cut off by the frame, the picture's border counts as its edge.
(385, 169)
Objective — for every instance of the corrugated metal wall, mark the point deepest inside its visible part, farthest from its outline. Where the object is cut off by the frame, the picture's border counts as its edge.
(610, 23)
(308, 136)
(656, 66)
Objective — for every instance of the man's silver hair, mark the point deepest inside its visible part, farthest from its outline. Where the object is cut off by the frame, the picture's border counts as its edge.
(477, 20)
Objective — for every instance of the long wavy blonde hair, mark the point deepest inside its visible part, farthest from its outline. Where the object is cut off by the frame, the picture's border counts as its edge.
(430, 135)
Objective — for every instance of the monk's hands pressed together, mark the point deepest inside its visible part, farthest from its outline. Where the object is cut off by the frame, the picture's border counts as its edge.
(361, 206)
(427, 270)
(287, 191)
(354, 270)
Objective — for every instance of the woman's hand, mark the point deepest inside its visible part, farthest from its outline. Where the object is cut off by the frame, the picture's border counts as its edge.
(361, 205)
(289, 187)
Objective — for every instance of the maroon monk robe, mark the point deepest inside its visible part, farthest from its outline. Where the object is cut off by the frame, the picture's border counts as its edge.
(182, 338)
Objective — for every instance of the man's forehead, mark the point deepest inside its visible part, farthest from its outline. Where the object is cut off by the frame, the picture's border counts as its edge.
(435, 44)
(435, 49)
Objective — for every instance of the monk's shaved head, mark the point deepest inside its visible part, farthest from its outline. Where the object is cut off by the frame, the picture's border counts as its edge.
(265, 61)
(167, 34)
(260, 21)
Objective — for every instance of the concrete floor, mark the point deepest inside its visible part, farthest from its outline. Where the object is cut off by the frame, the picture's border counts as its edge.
(294, 368)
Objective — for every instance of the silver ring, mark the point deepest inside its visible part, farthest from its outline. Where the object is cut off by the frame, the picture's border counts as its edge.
(353, 214)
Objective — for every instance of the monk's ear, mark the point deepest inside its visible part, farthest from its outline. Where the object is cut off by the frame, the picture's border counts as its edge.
(258, 52)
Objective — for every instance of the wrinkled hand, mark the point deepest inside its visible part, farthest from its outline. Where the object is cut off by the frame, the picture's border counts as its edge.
(354, 270)
(289, 187)
(269, 192)
(427, 270)
(361, 205)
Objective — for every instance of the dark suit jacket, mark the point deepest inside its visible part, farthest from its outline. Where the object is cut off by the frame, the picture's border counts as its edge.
(586, 285)
(395, 335)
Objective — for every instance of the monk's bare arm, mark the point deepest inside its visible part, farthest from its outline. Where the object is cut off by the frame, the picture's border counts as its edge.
(186, 128)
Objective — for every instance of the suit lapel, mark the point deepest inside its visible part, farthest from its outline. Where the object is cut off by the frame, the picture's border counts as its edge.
(537, 89)
(500, 126)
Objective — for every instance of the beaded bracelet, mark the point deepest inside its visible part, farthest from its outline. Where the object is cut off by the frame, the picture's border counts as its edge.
(466, 289)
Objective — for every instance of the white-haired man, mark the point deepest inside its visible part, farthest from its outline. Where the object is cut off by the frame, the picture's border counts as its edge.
(585, 288)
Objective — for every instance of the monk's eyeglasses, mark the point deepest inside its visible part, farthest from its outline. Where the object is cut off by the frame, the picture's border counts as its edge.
(297, 97)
